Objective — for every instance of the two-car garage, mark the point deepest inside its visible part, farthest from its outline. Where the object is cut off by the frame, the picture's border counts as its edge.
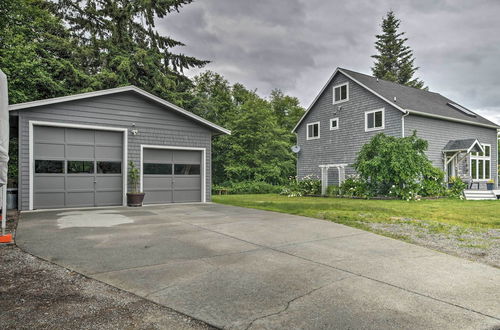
(75, 151)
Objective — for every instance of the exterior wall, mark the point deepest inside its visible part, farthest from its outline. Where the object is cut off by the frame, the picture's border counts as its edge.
(156, 126)
(342, 145)
(438, 132)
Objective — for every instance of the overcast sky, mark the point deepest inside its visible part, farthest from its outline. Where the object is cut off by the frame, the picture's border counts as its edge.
(295, 45)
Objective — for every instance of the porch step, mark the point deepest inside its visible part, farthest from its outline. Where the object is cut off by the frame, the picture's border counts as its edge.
(480, 195)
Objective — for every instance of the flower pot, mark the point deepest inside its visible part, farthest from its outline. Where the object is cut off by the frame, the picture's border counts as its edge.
(135, 199)
(490, 186)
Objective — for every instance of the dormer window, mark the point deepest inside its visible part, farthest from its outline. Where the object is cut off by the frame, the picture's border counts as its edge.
(340, 93)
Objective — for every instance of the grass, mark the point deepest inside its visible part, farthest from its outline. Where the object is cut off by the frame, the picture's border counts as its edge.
(439, 214)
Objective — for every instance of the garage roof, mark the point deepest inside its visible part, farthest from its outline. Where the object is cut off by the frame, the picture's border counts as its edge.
(131, 88)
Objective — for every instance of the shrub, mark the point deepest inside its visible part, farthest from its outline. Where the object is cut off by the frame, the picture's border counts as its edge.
(354, 187)
(432, 182)
(333, 191)
(307, 186)
(248, 187)
(457, 186)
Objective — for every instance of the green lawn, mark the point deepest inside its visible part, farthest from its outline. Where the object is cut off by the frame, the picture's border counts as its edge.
(353, 212)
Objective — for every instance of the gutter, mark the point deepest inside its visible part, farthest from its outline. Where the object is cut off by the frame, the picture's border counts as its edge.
(403, 123)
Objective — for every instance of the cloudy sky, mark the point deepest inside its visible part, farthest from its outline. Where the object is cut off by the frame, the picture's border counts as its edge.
(295, 45)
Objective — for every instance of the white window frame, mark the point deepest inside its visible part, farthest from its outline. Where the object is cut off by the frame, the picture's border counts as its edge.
(482, 158)
(334, 120)
(347, 93)
(374, 128)
(319, 131)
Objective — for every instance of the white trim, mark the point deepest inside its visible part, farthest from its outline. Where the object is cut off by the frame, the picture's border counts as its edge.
(403, 123)
(374, 128)
(347, 93)
(131, 88)
(425, 114)
(203, 165)
(484, 158)
(336, 119)
(32, 123)
(319, 131)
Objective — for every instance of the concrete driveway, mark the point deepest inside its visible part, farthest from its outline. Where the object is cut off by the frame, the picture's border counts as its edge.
(242, 268)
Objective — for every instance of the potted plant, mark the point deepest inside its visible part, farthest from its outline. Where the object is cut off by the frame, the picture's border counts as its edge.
(490, 185)
(134, 197)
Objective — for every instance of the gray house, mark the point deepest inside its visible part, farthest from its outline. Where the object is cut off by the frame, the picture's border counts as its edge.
(353, 107)
(74, 150)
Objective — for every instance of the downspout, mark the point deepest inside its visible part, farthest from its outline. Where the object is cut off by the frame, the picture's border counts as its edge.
(403, 123)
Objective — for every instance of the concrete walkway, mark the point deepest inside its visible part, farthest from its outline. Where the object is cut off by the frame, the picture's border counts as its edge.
(242, 268)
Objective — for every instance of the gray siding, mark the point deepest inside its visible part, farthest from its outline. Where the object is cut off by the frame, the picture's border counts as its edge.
(343, 144)
(157, 125)
(438, 132)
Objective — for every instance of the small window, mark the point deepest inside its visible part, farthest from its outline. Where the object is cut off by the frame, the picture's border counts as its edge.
(49, 166)
(104, 167)
(313, 131)
(487, 150)
(374, 120)
(341, 93)
(334, 124)
(79, 166)
(186, 169)
(157, 169)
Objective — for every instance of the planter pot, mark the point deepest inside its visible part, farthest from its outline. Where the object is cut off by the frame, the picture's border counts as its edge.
(135, 199)
(490, 186)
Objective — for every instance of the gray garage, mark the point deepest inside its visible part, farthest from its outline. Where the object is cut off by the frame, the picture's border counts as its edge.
(74, 151)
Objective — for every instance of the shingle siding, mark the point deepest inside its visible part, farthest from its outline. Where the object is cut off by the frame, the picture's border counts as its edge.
(156, 125)
(439, 132)
(341, 145)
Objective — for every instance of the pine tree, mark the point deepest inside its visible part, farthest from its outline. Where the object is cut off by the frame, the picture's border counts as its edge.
(395, 61)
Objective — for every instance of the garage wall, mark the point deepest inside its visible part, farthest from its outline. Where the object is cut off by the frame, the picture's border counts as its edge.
(157, 125)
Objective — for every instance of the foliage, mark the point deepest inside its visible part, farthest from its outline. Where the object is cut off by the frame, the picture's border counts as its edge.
(353, 187)
(307, 186)
(333, 191)
(134, 177)
(456, 188)
(248, 187)
(432, 182)
(37, 53)
(394, 61)
(13, 162)
(392, 166)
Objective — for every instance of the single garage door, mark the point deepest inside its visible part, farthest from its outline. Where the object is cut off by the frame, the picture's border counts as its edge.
(77, 167)
(171, 176)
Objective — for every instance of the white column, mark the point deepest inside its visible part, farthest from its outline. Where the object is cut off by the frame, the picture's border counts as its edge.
(324, 180)
(4, 208)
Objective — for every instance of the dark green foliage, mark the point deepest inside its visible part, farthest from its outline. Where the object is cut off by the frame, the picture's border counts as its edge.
(393, 166)
(456, 188)
(432, 182)
(354, 187)
(13, 161)
(394, 61)
(247, 187)
(307, 186)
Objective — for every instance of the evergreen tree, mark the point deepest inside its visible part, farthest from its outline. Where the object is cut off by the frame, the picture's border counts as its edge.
(122, 46)
(394, 61)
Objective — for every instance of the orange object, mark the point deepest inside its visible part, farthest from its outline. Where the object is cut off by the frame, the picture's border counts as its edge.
(6, 238)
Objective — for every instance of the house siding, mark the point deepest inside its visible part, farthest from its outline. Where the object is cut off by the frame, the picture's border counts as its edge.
(438, 132)
(342, 145)
(156, 124)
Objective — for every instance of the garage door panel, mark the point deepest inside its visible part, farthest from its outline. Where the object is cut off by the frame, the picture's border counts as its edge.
(187, 157)
(49, 151)
(157, 156)
(109, 198)
(109, 182)
(80, 199)
(49, 200)
(79, 152)
(108, 138)
(108, 153)
(187, 182)
(80, 183)
(186, 196)
(153, 182)
(48, 182)
(48, 134)
(158, 197)
(80, 136)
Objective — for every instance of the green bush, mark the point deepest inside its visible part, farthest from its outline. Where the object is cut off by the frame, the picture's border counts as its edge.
(432, 182)
(302, 187)
(248, 187)
(354, 187)
(333, 191)
(457, 187)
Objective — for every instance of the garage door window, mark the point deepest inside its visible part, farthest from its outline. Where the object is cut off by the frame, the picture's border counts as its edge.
(104, 167)
(186, 169)
(80, 166)
(49, 166)
(157, 169)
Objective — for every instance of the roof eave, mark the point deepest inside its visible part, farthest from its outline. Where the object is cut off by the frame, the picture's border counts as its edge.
(463, 121)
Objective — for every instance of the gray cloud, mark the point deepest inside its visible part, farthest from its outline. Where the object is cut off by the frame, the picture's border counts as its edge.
(295, 45)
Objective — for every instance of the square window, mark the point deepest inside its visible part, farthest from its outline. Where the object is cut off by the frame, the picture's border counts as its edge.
(334, 124)
(341, 93)
(374, 120)
(313, 131)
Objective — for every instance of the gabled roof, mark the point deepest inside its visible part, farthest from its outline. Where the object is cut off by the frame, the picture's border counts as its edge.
(410, 100)
(466, 145)
(131, 88)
